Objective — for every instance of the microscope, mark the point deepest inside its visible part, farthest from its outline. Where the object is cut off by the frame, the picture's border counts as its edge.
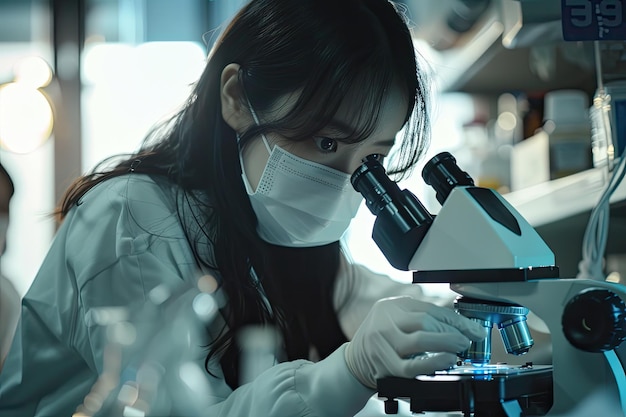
(501, 269)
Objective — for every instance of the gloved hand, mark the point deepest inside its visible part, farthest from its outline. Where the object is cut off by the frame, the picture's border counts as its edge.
(397, 332)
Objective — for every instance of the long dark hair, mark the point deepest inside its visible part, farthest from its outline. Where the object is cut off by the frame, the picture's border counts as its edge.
(322, 49)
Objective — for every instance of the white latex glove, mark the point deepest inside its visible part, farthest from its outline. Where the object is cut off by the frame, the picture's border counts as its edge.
(397, 332)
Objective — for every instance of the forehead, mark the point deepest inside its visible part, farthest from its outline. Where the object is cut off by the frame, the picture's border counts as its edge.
(390, 119)
(359, 117)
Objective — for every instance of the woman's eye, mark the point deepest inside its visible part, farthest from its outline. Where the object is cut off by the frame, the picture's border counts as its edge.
(326, 144)
(375, 156)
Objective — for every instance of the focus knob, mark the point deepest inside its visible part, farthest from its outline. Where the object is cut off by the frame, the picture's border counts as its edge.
(595, 320)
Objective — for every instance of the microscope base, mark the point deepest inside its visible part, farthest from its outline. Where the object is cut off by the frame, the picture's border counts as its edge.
(489, 391)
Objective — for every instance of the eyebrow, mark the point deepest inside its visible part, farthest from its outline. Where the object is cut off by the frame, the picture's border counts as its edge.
(346, 128)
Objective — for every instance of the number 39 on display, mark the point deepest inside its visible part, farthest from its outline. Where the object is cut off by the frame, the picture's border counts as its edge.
(593, 20)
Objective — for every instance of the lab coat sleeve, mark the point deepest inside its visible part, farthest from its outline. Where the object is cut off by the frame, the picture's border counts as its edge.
(119, 249)
(118, 293)
(298, 389)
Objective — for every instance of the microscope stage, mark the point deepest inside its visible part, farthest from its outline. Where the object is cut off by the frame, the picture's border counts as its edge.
(488, 371)
(481, 391)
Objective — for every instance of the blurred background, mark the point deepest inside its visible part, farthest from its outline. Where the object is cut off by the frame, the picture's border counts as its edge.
(512, 81)
(80, 81)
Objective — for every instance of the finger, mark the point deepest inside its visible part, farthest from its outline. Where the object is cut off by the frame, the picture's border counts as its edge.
(416, 321)
(422, 341)
(426, 364)
(391, 364)
(469, 328)
(442, 342)
(411, 307)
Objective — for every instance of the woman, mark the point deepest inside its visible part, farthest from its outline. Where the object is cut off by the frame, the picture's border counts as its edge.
(249, 182)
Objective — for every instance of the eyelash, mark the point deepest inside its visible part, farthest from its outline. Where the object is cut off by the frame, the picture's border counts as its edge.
(319, 140)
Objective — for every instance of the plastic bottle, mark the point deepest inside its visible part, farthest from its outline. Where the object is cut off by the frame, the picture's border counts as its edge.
(567, 123)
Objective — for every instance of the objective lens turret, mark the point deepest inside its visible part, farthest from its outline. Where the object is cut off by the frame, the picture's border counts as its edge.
(510, 320)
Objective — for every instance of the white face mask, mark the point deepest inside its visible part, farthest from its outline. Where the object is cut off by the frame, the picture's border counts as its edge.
(300, 203)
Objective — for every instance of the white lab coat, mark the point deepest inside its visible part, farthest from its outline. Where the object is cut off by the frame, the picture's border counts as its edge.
(106, 254)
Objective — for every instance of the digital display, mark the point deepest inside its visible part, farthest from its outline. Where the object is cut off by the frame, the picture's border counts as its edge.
(584, 20)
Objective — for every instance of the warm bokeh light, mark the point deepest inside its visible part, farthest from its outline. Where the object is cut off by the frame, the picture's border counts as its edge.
(207, 284)
(507, 121)
(614, 277)
(33, 71)
(26, 117)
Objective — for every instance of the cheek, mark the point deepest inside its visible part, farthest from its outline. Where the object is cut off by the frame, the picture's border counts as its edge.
(355, 164)
(349, 158)
(348, 164)
(362, 153)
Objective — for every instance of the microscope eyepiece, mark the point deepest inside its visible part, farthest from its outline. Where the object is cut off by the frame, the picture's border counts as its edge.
(443, 174)
(401, 219)
(371, 180)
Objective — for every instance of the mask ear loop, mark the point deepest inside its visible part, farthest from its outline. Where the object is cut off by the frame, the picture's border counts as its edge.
(258, 123)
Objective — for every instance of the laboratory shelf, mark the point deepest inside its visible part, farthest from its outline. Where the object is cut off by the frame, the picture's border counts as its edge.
(562, 198)
(560, 209)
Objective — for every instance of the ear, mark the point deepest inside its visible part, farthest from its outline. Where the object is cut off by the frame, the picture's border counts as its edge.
(235, 114)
